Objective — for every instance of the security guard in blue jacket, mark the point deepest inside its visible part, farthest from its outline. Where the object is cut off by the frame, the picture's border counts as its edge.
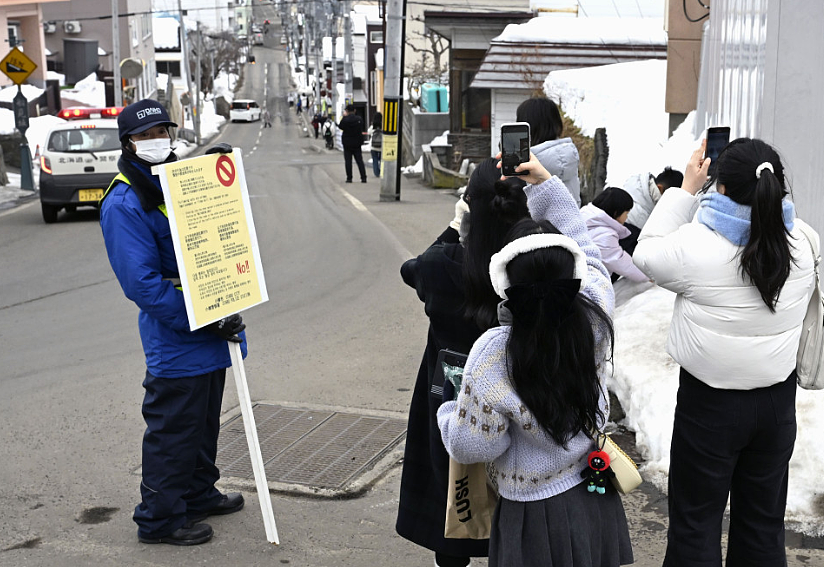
(186, 369)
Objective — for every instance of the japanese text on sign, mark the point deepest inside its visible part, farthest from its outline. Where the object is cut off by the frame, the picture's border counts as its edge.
(213, 232)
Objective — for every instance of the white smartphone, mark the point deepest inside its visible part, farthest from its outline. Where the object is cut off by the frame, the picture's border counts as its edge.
(515, 143)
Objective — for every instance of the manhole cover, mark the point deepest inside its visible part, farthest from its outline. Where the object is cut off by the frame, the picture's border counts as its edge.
(315, 448)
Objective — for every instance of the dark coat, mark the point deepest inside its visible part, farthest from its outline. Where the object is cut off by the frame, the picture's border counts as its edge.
(436, 276)
(351, 127)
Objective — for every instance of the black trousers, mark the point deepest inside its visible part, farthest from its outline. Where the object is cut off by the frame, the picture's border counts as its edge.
(735, 443)
(179, 448)
(348, 154)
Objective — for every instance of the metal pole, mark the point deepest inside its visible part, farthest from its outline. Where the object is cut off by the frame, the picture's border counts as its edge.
(316, 30)
(197, 88)
(393, 101)
(348, 50)
(334, 34)
(184, 46)
(117, 85)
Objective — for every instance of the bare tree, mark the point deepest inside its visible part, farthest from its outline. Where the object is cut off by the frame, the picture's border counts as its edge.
(430, 68)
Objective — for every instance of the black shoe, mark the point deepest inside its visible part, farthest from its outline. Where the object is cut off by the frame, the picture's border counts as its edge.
(190, 534)
(349, 181)
(363, 180)
(228, 504)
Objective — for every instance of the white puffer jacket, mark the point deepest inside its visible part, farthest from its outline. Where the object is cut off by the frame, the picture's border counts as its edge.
(721, 330)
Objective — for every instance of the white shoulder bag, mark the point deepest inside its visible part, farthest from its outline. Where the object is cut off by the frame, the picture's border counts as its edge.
(810, 358)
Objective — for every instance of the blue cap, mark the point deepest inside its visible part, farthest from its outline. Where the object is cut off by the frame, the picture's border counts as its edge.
(140, 116)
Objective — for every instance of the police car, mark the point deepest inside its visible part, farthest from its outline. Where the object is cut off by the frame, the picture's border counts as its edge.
(79, 160)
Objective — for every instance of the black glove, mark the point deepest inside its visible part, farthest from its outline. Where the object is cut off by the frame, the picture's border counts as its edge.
(227, 328)
(221, 148)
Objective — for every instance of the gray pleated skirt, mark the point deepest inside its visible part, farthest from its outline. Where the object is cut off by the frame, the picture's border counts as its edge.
(573, 529)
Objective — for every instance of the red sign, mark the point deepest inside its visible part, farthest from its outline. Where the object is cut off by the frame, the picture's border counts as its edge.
(225, 169)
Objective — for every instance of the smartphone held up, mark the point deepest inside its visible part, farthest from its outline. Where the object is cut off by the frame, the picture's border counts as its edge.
(717, 139)
(515, 143)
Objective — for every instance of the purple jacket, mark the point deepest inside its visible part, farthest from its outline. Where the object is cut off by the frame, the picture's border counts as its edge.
(605, 231)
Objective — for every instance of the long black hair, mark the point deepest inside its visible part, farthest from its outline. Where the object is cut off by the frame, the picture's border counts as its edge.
(552, 350)
(766, 256)
(544, 119)
(494, 206)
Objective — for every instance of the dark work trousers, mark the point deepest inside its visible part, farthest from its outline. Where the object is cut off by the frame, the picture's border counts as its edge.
(179, 448)
(348, 154)
(736, 443)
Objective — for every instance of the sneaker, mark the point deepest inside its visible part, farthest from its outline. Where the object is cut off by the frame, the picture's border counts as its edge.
(190, 534)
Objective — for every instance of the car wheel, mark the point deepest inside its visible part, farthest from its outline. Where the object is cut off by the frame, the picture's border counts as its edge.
(49, 213)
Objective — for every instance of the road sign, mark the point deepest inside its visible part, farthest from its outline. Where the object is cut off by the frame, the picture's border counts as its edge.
(21, 112)
(17, 66)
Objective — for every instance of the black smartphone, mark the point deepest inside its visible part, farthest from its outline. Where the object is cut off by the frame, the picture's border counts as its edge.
(717, 139)
(449, 366)
(514, 147)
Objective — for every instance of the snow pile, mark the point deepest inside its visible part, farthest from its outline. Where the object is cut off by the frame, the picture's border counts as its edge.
(623, 31)
(87, 92)
(29, 91)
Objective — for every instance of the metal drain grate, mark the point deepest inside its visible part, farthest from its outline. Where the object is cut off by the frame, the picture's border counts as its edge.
(316, 448)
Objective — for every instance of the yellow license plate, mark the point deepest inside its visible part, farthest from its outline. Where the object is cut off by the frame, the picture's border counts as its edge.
(89, 194)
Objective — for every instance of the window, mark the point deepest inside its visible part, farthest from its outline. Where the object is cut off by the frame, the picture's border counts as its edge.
(169, 67)
(376, 37)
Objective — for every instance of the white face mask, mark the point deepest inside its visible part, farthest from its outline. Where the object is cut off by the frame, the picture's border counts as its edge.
(153, 151)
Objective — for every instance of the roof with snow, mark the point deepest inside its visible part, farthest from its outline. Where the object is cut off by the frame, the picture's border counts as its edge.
(524, 54)
(166, 34)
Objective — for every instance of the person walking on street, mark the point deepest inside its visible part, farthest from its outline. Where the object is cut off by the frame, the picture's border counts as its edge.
(743, 274)
(352, 132)
(299, 105)
(267, 118)
(185, 369)
(376, 142)
(329, 132)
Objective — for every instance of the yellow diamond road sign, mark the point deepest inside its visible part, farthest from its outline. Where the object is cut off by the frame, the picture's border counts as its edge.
(17, 66)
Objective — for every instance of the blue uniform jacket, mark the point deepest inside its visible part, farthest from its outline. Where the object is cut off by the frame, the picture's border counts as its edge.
(140, 249)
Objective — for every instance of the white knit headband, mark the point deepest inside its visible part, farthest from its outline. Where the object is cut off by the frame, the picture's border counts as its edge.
(499, 261)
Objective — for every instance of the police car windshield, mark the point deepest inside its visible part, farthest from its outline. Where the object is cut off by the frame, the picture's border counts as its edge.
(84, 141)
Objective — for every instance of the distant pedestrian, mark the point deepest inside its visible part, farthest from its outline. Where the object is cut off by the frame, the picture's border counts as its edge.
(299, 104)
(534, 390)
(376, 142)
(267, 118)
(185, 370)
(291, 99)
(742, 272)
(316, 122)
(329, 132)
(352, 132)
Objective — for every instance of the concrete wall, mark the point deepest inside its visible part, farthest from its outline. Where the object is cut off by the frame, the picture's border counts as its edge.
(420, 128)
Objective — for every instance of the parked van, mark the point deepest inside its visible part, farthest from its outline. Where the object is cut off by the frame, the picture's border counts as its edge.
(243, 109)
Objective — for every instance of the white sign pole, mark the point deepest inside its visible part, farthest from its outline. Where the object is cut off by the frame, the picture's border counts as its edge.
(254, 445)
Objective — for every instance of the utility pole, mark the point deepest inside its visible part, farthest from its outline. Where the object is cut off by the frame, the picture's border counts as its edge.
(348, 50)
(184, 46)
(306, 47)
(318, 42)
(196, 115)
(393, 101)
(117, 82)
(334, 34)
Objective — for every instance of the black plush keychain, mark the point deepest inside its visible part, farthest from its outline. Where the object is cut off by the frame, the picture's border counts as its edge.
(598, 471)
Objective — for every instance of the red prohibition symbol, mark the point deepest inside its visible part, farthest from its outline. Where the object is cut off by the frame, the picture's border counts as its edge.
(225, 170)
